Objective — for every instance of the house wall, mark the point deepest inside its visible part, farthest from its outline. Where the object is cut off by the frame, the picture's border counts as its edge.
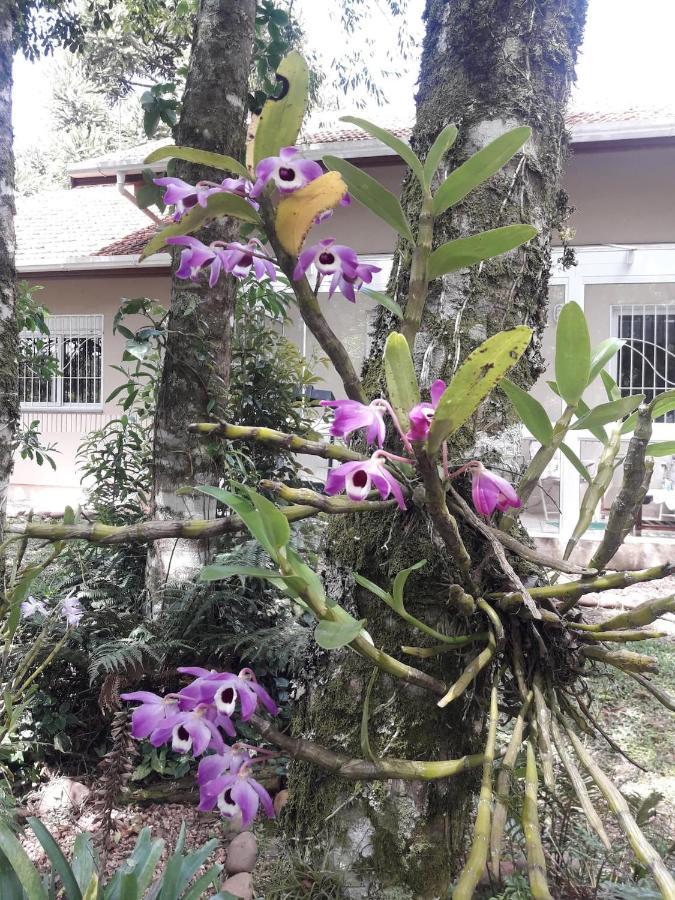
(39, 487)
(621, 194)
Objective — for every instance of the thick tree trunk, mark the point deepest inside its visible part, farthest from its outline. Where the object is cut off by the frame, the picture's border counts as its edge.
(196, 368)
(9, 402)
(487, 65)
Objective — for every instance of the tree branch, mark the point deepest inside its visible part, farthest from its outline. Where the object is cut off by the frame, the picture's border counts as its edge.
(268, 437)
(311, 311)
(637, 473)
(323, 503)
(155, 530)
(353, 769)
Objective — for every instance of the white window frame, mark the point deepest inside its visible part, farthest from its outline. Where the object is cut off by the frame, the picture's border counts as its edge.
(635, 264)
(57, 405)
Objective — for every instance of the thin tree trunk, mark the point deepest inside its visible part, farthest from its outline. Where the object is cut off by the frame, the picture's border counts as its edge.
(487, 65)
(9, 401)
(196, 367)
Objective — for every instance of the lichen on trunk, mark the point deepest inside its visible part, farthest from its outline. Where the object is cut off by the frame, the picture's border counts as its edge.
(487, 65)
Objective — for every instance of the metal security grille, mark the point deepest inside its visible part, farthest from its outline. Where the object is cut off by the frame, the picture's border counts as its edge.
(76, 342)
(646, 363)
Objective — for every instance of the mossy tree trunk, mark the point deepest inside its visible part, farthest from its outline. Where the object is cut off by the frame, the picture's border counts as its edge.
(195, 374)
(9, 402)
(487, 65)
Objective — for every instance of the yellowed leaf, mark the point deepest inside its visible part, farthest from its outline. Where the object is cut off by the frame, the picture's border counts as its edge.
(296, 213)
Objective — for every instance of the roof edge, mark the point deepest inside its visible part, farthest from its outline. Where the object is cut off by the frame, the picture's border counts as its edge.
(95, 263)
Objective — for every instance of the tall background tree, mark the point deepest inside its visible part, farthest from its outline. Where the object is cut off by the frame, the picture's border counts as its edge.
(197, 355)
(9, 400)
(487, 66)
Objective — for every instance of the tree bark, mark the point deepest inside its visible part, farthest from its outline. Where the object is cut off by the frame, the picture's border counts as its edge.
(9, 400)
(196, 367)
(487, 65)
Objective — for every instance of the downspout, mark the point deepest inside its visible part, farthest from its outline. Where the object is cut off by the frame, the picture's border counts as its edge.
(125, 192)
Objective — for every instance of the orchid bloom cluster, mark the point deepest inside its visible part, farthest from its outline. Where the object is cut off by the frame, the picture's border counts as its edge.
(194, 719)
(69, 608)
(287, 172)
(358, 478)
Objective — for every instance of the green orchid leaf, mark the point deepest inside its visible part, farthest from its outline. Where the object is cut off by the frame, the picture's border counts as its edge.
(662, 404)
(59, 863)
(465, 252)
(399, 584)
(611, 387)
(605, 413)
(199, 157)
(437, 151)
(402, 387)
(572, 353)
(661, 448)
(480, 372)
(383, 300)
(479, 167)
(373, 588)
(396, 144)
(372, 195)
(530, 411)
(280, 120)
(333, 635)
(576, 462)
(20, 862)
(598, 432)
(274, 522)
(602, 355)
(217, 206)
(246, 510)
(220, 573)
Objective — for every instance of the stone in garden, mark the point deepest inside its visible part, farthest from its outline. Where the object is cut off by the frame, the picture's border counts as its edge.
(280, 801)
(63, 794)
(241, 854)
(240, 886)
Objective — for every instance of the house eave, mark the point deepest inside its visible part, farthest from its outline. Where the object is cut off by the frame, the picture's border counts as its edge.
(95, 264)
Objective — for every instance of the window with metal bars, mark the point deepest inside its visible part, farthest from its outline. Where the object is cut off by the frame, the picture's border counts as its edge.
(76, 344)
(646, 362)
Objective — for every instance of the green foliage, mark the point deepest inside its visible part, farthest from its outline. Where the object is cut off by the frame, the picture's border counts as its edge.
(572, 353)
(281, 116)
(480, 372)
(372, 195)
(464, 252)
(402, 387)
(479, 167)
(82, 877)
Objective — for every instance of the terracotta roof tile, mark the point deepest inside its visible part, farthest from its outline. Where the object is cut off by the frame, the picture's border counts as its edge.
(56, 226)
(130, 243)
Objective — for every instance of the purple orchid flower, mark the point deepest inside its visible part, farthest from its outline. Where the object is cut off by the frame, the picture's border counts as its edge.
(350, 285)
(224, 689)
(421, 415)
(328, 258)
(490, 491)
(184, 196)
(288, 172)
(239, 259)
(194, 730)
(31, 606)
(72, 611)
(153, 712)
(218, 764)
(194, 256)
(351, 415)
(236, 794)
(359, 477)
